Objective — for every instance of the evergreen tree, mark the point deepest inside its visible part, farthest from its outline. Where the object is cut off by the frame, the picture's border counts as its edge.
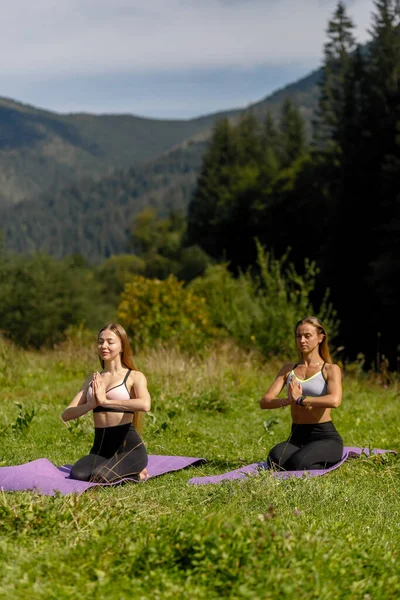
(384, 152)
(338, 51)
(293, 133)
(271, 146)
(384, 85)
(275, 212)
(213, 190)
(249, 141)
(384, 53)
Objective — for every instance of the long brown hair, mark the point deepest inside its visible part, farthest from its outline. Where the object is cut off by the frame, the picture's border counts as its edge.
(323, 346)
(126, 360)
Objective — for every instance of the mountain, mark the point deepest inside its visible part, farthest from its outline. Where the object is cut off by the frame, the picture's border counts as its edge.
(39, 149)
(70, 208)
(94, 218)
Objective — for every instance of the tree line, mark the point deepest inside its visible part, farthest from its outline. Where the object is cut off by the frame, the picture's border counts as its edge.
(333, 199)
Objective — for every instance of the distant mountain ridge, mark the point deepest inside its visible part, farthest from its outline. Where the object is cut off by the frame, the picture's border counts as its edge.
(57, 171)
(94, 218)
(39, 148)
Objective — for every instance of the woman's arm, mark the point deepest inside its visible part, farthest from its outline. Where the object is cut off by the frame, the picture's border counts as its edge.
(79, 405)
(270, 398)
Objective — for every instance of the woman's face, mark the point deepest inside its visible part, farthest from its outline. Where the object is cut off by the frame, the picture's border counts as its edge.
(109, 345)
(307, 337)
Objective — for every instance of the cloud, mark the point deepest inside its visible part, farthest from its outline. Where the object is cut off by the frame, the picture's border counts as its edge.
(74, 37)
(161, 58)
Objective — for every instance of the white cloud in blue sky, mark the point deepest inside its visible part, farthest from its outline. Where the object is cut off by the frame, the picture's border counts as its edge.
(161, 58)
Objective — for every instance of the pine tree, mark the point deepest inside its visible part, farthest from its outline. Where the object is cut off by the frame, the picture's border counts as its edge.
(384, 76)
(213, 190)
(249, 142)
(293, 133)
(271, 151)
(384, 174)
(338, 57)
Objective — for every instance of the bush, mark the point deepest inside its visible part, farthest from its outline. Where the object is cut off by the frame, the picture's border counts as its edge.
(116, 271)
(261, 310)
(41, 296)
(193, 263)
(153, 311)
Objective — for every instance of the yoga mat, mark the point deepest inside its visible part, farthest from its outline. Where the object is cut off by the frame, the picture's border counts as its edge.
(254, 468)
(45, 478)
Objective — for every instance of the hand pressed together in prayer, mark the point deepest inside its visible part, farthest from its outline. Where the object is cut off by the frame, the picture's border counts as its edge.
(99, 390)
(295, 390)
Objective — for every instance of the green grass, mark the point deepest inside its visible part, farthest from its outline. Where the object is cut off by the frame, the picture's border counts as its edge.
(331, 537)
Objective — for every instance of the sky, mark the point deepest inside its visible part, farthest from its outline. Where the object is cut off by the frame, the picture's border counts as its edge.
(166, 59)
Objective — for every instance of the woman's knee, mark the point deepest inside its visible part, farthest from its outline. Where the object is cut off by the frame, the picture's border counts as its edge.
(276, 455)
(80, 473)
(83, 468)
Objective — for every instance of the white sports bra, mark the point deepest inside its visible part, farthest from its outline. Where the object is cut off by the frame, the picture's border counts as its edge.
(313, 386)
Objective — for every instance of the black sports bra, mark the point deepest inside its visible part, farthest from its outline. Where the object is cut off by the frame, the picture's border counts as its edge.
(119, 392)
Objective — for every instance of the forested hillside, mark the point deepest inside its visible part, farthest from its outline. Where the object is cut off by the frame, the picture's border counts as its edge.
(39, 149)
(95, 218)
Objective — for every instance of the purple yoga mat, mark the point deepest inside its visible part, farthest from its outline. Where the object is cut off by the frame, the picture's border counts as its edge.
(254, 468)
(45, 478)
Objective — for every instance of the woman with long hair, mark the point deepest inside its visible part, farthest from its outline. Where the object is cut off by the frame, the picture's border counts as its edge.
(313, 386)
(117, 396)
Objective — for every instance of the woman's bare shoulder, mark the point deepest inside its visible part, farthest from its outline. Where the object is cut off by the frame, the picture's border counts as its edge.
(332, 369)
(137, 378)
(137, 375)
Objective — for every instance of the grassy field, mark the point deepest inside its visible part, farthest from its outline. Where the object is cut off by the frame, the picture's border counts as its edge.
(331, 537)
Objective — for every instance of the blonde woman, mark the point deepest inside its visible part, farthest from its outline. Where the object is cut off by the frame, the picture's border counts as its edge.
(116, 396)
(314, 388)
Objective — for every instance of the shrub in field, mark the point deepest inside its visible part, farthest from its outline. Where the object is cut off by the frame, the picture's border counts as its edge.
(41, 296)
(261, 310)
(116, 271)
(152, 311)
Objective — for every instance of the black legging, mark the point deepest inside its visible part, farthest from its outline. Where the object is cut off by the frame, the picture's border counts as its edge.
(117, 452)
(308, 447)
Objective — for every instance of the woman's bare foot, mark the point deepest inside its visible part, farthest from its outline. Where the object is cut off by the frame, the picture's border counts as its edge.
(143, 475)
